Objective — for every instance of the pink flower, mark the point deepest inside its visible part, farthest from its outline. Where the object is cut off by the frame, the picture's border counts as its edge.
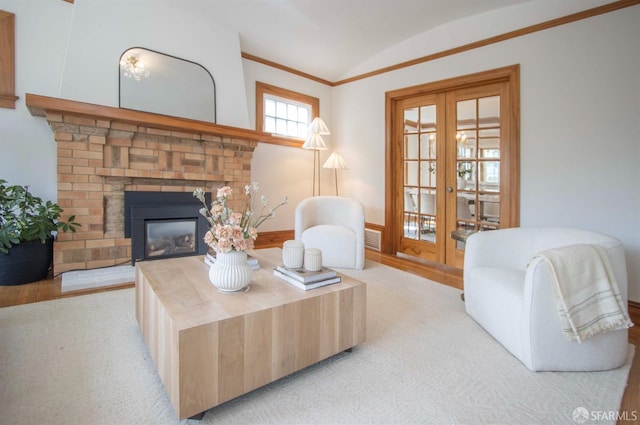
(223, 232)
(224, 245)
(209, 238)
(237, 233)
(235, 218)
(241, 245)
(230, 230)
(224, 192)
(216, 209)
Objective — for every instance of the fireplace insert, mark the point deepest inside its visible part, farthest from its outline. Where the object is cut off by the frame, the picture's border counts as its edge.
(164, 225)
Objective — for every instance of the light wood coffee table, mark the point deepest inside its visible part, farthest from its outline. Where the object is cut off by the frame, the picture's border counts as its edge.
(210, 347)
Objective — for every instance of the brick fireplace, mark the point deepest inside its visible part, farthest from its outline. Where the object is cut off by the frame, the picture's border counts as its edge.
(103, 152)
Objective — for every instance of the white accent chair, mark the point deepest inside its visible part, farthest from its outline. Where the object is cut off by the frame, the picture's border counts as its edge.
(335, 225)
(511, 297)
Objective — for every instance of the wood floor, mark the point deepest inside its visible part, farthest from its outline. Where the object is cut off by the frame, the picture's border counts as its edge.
(51, 289)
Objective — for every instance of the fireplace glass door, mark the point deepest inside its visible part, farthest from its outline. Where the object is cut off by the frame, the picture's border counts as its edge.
(170, 238)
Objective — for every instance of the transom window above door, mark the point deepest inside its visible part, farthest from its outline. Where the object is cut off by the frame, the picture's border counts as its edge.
(284, 113)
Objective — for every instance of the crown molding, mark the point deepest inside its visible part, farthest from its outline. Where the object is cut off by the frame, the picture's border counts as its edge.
(585, 14)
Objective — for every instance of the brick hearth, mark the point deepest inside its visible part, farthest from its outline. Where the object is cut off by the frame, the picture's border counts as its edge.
(103, 151)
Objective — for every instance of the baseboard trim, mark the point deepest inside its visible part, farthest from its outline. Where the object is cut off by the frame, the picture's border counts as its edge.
(273, 239)
(276, 238)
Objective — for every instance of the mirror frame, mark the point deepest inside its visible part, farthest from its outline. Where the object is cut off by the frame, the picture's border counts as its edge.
(213, 82)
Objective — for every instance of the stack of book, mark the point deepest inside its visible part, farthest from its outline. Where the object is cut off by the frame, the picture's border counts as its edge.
(210, 258)
(304, 279)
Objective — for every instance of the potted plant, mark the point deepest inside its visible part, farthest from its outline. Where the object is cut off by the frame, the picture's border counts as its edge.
(232, 233)
(27, 224)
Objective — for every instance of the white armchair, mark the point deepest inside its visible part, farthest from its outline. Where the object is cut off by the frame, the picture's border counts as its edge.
(511, 297)
(335, 225)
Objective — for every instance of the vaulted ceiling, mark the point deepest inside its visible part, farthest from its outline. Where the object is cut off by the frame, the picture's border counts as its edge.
(326, 38)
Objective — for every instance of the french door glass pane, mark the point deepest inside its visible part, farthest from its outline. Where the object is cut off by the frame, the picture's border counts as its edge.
(466, 114)
(464, 207)
(490, 176)
(411, 173)
(428, 215)
(428, 146)
(489, 143)
(466, 172)
(489, 208)
(410, 215)
(428, 174)
(411, 146)
(427, 118)
(466, 141)
(411, 120)
(489, 111)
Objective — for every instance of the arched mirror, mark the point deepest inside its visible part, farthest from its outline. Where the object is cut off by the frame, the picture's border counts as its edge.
(155, 82)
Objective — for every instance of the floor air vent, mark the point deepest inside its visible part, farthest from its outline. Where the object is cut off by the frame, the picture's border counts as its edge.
(372, 239)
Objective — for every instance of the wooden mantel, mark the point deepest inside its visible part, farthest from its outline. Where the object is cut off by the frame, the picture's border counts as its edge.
(41, 105)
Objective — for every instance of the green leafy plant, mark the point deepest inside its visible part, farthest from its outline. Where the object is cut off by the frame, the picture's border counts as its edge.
(25, 217)
(464, 170)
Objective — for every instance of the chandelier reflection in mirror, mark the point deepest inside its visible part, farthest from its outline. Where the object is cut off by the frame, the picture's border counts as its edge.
(159, 83)
(133, 67)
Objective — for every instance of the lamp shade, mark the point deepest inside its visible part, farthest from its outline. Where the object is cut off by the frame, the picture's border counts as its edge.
(314, 141)
(318, 126)
(335, 160)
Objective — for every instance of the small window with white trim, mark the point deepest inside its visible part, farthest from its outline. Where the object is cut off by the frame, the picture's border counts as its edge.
(284, 113)
(285, 118)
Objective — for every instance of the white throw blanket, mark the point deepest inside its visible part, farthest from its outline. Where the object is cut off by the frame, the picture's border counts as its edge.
(586, 291)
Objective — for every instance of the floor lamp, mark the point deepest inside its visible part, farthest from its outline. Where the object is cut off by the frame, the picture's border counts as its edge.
(315, 143)
(335, 161)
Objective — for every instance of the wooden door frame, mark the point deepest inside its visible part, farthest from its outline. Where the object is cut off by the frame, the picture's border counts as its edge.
(410, 246)
(393, 203)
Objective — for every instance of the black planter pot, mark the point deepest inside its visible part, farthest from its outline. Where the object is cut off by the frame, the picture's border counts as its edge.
(26, 262)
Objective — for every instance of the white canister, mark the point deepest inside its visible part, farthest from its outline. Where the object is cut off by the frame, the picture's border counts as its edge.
(312, 259)
(293, 254)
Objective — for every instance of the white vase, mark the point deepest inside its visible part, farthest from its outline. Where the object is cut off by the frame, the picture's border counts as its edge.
(230, 272)
(313, 259)
(293, 254)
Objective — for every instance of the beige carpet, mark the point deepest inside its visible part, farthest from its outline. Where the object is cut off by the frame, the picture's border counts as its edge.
(82, 361)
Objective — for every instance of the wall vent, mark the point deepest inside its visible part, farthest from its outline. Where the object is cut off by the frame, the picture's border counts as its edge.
(372, 239)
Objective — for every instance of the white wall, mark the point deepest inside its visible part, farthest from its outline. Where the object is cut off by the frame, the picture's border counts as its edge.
(580, 99)
(27, 149)
(287, 171)
(101, 31)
